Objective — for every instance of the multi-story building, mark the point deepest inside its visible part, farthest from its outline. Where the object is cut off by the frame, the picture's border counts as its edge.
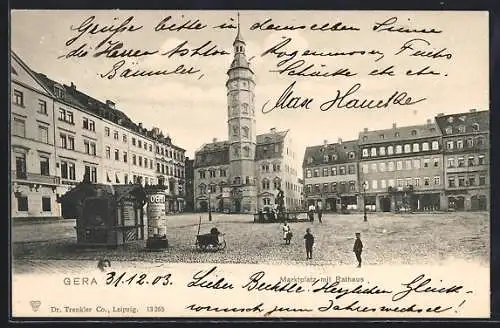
(331, 175)
(402, 168)
(466, 156)
(60, 134)
(34, 176)
(243, 174)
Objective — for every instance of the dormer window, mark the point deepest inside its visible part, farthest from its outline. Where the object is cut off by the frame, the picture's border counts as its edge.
(461, 129)
(396, 134)
(413, 132)
(450, 119)
(449, 130)
(365, 138)
(352, 155)
(58, 91)
(381, 137)
(475, 127)
(325, 158)
(309, 160)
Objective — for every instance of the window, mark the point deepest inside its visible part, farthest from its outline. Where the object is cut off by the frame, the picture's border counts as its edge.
(66, 116)
(451, 162)
(416, 163)
(381, 151)
(407, 148)
(472, 181)
(146, 145)
(106, 131)
(140, 160)
(43, 134)
(365, 152)
(479, 141)
(470, 142)
(408, 164)
(316, 173)
(265, 184)
(436, 161)
(342, 170)
(471, 161)
(383, 184)
(18, 98)
(382, 167)
(373, 152)
(482, 180)
(460, 144)
(437, 180)
(150, 148)
(449, 145)
(68, 170)
(42, 107)
(124, 138)
(125, 157)
(334, 170)
(426, 162)
(399, 165)
(139, 143)
(425, 146)
(64, 140)
(91, 172)
(22, 204)
(364, 168)
(417, 182)
(125, 178)
(117, 155)
(416, 147)
(202, 174)
(374, 167)
(352, 155)
(212, 173)
(391, 166)
(381, 137)
(325, 172)
(399, 149)
(391, 182)
(134, 160)
(276, 168)
(93, 149)
(71, 143)
(481, 160)
(133, 141)
(461, 181)
(108, 152)
(19, 127)
(390, 150)
(448, 130)
(351, 169)
(408, 182)
(374, 184)
(426, 181)
(475, 127)
(46, 204)
(21, 166)
(44, 166)
(316, 188)
(115, 135)
(245, 131)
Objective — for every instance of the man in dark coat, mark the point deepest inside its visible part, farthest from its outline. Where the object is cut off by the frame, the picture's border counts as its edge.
(309, 238)
(358, 248)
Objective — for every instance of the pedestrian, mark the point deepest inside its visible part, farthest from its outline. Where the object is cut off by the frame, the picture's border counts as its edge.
(309, 238)
(358, 248)
(311, 212)
(287, 233)
(320, 212)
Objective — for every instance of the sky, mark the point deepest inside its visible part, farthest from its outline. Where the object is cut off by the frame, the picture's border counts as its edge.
(192, 108)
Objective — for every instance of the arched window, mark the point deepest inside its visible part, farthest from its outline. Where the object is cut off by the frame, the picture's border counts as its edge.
(203, 188)
(245, 108)
(277, 183)
(237, 180)
(247, 180)
(235, 130)
(246, 151)
(265, 184)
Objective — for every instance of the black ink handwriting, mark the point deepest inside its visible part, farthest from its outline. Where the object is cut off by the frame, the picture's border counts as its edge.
(210, 308)
(286, 101)
(173, 27)
(388, 25)
(129, 72)
(418, 285)
(255, 283)
(409, 48)
(203, 280)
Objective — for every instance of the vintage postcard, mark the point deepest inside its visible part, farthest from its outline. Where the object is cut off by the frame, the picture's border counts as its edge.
(261, 164)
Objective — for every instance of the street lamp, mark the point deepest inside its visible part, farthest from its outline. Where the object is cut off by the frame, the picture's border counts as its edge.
(365, 186)
(209, 205)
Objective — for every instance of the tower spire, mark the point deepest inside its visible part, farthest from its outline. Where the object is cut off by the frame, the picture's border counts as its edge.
(238, 35)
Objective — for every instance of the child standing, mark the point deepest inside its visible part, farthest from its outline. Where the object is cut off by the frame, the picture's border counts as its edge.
(358, 248)
(287, 233)
(309, 238)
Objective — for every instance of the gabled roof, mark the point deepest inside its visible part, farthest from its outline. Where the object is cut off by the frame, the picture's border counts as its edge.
(399, 134)
(335, 153)
(467, 120)
(32, 74)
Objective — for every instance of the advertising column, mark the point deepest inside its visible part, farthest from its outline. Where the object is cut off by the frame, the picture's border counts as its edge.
(157, 221)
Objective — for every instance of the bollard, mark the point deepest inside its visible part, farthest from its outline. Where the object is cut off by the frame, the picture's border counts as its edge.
(157, 221)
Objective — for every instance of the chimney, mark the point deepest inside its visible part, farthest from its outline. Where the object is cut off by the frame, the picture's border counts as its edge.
(155, 131)
(339, 140)
(429, 121)
(394, 125)
(273, 130)
(325, 142)
(110, 104)
(439, 114)
(472, 110)
(214, 140)
(140, 126)
(73, 86)
(365, 130)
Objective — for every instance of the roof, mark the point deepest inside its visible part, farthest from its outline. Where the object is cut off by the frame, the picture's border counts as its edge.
(83, 190)
(335, 153)
(217, 153)
(467, 120)
(399, 134)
